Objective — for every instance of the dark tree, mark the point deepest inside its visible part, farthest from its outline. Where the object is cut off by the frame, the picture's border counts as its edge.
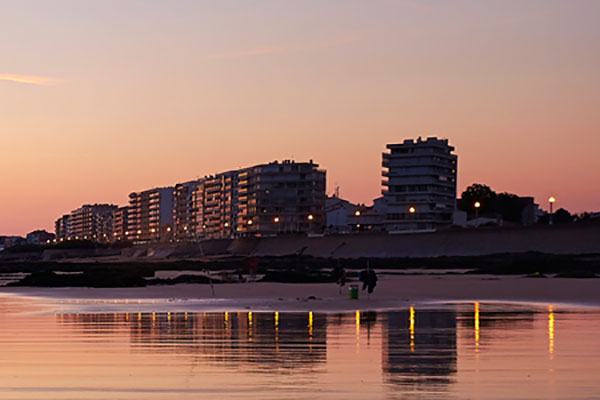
(562, 216)
(506, 205)
(477, 193)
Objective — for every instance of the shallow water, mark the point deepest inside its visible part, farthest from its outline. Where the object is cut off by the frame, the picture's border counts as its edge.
(468, 350)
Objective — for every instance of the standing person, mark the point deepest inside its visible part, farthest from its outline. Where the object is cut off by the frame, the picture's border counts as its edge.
(369, 278)
(339, 274)
(371, 281)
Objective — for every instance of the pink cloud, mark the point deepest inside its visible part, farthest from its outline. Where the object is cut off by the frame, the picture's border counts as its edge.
(28, 79)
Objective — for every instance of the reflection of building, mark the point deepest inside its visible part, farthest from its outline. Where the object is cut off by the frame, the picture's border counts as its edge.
(151, 215)
(419, 347)
(419, 184)
(255, 340)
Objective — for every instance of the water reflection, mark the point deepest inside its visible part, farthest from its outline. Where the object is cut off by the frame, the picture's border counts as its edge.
(476, 350)
(419, 348)
(255, 341)
(550, 332)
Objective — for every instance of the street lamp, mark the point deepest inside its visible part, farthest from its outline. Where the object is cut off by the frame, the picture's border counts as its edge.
(412, 210)
(276, 220)
(551, 201)
(310, 217)
(357, 213)
(477, 205)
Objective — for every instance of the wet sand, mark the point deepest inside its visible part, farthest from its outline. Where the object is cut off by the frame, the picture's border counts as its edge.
(392, 292)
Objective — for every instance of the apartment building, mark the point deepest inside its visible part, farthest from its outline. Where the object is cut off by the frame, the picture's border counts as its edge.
(265, 199)
(120, 223)
(281, 197)
(218, 209)
(419, 184)
(150, 216)
(61, 228)
(88, 222)
(184, 210)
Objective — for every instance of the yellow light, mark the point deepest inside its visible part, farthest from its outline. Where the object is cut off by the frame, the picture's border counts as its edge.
(552, 199)
(476, 325)
(168, 229)
(152, 230)
(411, 327)
(250, 317)
(310, 318)
(357, 315)
(139, 232)
(412, 210)
(477, 204)
(357, 213)
(226, 224)
(276, 220)
(226, 316)
(310, 217)
(276, 318)
(550, 331)
(126, 232)
(185, 228)
(250, 222)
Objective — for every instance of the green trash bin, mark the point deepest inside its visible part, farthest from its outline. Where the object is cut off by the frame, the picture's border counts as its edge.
(353, 291)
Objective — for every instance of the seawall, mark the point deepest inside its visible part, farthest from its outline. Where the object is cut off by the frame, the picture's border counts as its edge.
(565, 239)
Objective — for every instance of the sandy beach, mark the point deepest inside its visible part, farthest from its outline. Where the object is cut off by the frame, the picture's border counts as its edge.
(392, 292)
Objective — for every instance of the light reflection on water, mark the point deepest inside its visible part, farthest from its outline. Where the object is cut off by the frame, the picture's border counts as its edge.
(476, 350)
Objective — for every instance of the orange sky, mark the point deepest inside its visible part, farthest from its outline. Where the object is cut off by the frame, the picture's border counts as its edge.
(101, 98)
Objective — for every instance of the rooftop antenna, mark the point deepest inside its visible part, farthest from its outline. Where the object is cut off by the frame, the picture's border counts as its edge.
(336, 192)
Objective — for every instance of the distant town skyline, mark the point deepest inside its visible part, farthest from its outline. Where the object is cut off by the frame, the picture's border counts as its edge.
(102, 98)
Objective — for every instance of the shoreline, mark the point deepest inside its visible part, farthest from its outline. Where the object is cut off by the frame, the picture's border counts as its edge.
(392, 292)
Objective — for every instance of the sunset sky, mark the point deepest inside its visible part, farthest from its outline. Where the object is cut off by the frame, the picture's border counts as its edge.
(102, 98)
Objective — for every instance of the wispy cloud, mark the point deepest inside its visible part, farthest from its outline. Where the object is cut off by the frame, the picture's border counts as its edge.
(29, 79)
(248, 53)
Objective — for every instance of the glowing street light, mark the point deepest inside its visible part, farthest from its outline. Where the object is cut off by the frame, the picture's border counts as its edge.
(412, 210)
(276, 220)
(310, 217)
(551, 201)
(250, 222)
(357, 213)
(477, 205)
